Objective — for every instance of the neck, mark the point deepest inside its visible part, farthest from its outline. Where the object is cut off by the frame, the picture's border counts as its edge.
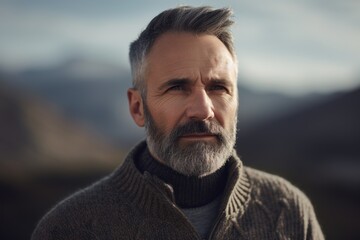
(189, 191)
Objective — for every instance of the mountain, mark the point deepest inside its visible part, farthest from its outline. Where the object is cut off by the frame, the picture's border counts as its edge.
(258, 107)
(97, 99)
(94, 92)
(37, 136)
(325, 133)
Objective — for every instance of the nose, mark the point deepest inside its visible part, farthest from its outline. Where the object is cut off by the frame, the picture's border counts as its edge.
(200, 106)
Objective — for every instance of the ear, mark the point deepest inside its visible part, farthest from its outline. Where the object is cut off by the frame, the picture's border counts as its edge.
(136, 107)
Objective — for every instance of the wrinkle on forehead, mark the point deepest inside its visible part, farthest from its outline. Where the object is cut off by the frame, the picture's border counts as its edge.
(205, 74)
(185, 55)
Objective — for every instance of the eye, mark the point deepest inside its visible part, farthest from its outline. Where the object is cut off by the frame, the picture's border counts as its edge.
(179, 88)
(217, 88)
(176, 88)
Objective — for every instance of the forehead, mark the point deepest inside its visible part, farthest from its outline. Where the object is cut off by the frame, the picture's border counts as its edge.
(180, 54)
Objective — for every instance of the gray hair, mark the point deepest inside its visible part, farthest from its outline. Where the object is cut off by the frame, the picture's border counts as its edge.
(181, 19)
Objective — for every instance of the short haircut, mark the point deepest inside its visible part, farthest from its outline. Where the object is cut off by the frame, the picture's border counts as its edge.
(197, 20)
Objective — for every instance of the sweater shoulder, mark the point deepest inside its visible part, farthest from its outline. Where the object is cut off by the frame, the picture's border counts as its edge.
(283, 204)
(268, 187)
(73, 215)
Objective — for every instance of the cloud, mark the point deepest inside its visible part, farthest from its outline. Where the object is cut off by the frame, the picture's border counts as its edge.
(282, 44)
(37, 34)
(295, 76)
(298, 46)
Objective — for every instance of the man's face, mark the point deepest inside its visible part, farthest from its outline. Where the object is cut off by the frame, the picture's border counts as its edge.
(191, 102)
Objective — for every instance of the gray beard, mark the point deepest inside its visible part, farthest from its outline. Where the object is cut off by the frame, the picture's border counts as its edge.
(194, 159)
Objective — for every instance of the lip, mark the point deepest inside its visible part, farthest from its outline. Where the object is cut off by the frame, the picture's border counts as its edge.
(198, 136)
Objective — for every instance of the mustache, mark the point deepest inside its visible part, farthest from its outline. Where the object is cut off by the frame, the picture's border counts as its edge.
(198, 127)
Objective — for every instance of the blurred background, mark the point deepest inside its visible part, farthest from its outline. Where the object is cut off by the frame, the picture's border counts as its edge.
(64, 119)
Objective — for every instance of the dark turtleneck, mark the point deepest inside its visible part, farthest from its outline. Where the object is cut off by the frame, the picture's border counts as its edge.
(189, 191)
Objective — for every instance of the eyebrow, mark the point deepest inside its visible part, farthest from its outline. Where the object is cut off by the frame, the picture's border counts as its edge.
(186, 81)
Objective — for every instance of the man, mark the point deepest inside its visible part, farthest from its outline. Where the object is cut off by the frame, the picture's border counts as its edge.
(185, 181)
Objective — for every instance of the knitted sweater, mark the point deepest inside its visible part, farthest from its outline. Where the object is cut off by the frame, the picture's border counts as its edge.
(130, 205)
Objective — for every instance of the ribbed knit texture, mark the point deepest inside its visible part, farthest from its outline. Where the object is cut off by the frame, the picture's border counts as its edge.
(189, 191)
(130, 205)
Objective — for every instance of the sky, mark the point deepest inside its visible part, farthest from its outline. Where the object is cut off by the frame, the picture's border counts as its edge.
(289, 46)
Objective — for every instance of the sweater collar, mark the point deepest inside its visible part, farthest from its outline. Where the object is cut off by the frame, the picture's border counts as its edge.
(143, 189)
(189, 191)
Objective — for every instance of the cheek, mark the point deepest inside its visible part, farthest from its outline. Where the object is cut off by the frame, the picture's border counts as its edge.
(226, 111)
(167, 113)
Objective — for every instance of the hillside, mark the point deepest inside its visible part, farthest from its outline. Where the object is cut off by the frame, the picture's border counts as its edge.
(323, 134)
(35, 134)
(94, 92)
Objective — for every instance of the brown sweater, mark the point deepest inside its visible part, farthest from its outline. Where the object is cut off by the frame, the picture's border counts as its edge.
(130, 205)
